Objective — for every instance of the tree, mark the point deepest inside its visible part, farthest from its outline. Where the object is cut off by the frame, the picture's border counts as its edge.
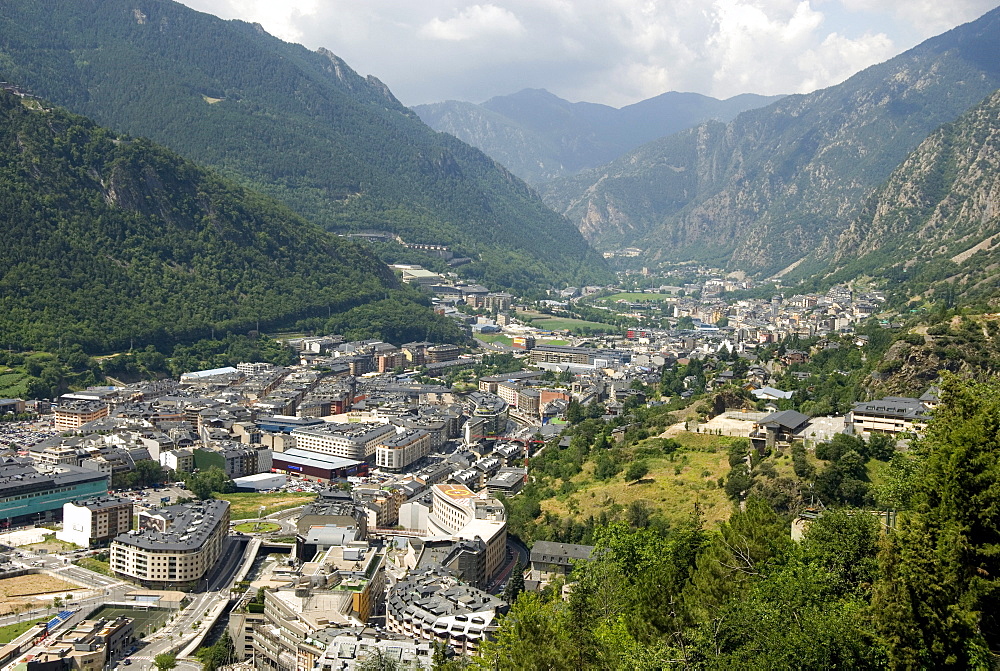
(637, 470)
(533, 635)
(937, 604)
(164, 661)
(217, 654)
(515, 584)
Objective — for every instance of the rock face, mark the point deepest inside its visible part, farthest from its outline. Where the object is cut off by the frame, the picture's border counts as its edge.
(935, 223)
(780, 184)
(539, 136)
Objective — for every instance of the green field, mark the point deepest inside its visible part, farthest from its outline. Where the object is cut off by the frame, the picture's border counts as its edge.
(495, 337)
(635, 297)
(672, 486)
(11, 631)
(257, 527)
(13, 384)
(246, 505)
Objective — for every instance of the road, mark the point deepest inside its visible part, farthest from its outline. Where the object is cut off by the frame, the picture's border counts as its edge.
(217, 582)
(515, 550)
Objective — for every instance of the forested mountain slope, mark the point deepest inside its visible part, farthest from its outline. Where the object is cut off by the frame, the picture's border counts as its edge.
(298, 125)
(782, 182)
(110, 243)
(539, 136)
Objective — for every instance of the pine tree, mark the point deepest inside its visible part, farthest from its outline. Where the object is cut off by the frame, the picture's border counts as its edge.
(938, 599)
(515, 584)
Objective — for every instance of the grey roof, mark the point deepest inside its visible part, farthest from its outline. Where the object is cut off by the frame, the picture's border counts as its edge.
(892, 406)
(21, 478)
(548, 552)
(788, 419)
(102, 502)
(190, 526)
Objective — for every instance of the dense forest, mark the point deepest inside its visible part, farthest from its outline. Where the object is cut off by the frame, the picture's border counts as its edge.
(113, 243)
(300, 126)
(917, 589)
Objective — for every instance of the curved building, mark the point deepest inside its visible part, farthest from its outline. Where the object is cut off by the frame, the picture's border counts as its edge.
(458, 512)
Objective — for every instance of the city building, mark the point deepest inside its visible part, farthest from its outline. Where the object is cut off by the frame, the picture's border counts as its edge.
(349, 441)
(89, 646)
(74, 414)
(95, 522)
(29, 494)
(396, 452)
(550, 560)
(457, 511)
(174, 547)
(438, 607)
(892, 415)
(318, 465)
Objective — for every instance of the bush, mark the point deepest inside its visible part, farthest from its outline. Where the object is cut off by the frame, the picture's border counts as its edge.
(636, 471)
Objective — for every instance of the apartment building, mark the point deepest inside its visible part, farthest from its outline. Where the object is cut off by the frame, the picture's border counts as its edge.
(433, 607)
(174, 547)
(349, 441)
(457, 511)
(396, 452)
(892, 415)
(95, 522)
(74, 414)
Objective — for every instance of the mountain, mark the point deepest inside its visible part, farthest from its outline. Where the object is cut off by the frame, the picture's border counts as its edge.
(298, 125)
(111, 242)
(776, 186)
(539, 136)
(934, 226)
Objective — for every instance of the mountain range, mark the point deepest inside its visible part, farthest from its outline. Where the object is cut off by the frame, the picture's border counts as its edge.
(539, 136)
(298, 125)
(772, 191)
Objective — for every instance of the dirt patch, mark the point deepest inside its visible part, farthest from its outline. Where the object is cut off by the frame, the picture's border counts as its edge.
(33, 584)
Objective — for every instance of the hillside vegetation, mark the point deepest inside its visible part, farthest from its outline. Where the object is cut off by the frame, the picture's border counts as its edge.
(932, 227)
(860, 591)
(111, 243)
(298, 125)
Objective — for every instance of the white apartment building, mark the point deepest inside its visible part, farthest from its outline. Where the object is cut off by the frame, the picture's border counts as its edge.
(94, 522)
(459, 512)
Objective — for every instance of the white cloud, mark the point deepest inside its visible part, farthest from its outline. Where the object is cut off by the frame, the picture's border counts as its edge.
(925, 17)
(609, 51)
(838, 57)
(473, 22)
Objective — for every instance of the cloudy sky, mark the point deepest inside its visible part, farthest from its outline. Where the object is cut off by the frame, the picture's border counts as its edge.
(608, 51)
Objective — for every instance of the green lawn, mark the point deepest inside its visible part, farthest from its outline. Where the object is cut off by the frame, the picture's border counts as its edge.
(11, 631)
(635, 297)
(257, 527)
(246, 505)
(95, 565)
(495, 337)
